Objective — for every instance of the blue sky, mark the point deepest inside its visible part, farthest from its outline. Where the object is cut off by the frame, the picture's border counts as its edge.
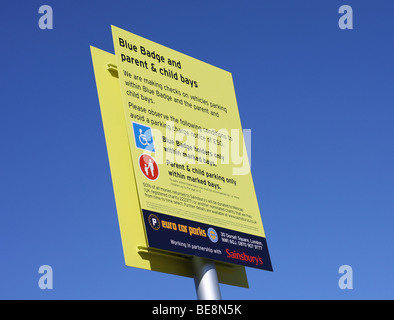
(319, 101)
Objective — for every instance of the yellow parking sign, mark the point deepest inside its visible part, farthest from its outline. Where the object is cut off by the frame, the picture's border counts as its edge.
(179, 165)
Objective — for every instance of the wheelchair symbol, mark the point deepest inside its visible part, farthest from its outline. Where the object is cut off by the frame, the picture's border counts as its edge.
(142, 138)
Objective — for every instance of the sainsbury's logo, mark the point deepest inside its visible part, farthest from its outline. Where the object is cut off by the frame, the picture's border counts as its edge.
(244, 257)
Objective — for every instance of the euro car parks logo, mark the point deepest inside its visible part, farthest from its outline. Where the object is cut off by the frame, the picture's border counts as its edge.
(154, 221)
(213, 235)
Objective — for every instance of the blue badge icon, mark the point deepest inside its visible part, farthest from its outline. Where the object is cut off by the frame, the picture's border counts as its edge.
(143, 137)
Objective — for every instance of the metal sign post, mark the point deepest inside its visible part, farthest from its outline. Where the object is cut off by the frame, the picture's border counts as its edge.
(206, 279)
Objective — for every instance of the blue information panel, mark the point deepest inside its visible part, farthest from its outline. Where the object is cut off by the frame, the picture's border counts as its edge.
(198, 239)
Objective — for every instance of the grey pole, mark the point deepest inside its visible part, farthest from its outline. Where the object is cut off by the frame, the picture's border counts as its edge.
(206, 279)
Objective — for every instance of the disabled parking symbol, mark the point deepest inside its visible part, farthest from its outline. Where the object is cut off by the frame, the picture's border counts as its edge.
(143, 137)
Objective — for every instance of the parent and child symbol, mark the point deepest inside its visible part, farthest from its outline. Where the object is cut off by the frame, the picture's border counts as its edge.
(144, 140)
